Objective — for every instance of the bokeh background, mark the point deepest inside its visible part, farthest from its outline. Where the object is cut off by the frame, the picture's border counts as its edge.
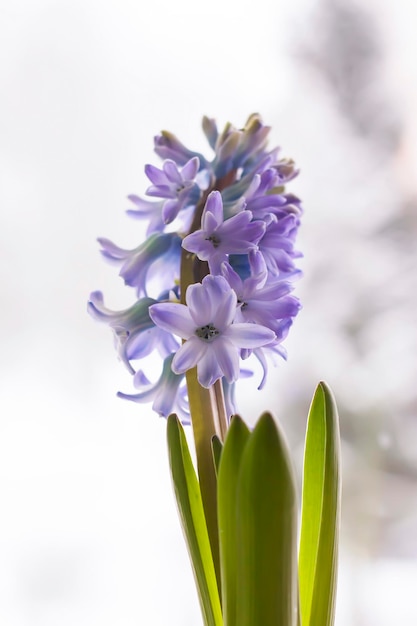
(89, 533)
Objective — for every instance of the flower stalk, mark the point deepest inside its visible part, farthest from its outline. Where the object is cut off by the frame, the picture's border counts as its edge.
(207, 407)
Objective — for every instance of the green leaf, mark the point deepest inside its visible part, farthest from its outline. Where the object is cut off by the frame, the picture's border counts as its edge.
(188, 495)
(320, 512)
(266, 531)
(216, 448)
(236, 439)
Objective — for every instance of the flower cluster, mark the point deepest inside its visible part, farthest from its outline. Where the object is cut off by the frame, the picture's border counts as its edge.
(216, 269)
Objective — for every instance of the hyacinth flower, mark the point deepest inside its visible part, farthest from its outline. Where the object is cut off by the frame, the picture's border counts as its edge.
(213, 287)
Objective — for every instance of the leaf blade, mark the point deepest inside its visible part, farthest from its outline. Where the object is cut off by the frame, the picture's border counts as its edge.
(216, 448)
(190, 506)
(267, 531)
(236, 440)
(320, 514)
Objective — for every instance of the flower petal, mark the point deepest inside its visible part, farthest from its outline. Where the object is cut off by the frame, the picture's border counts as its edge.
(225, 309)
(199, 304)
(189, 354)
(208, 369)
(190, 169)
(171, 171)
(214, 205)
(155, 175)
(227, 356)
(247, 335)
(173, 317)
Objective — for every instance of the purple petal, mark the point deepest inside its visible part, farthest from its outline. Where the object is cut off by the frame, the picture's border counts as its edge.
(161, 191)
(190, 169)
(257, 266)
(227, 357)
(232, 277)
(247, 335)
(170, 210)
(208, 369)
(195, 242)
(214, 205)
(188, 355)
(155, 175)
(172, 172)
(111, 251)
(215, 262)
(199, 304)
(236, 223)
(173, 317)
(210, 223)
(142, 344)
(225, 311)
(252, 232)
(143, 206)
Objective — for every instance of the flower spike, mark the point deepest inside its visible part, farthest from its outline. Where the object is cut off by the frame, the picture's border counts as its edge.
(217, 267)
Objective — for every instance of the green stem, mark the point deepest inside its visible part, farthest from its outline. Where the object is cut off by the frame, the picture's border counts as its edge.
(207, 407)
(205, 422)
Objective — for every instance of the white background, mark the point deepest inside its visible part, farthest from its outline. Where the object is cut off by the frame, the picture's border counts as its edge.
(88, 528)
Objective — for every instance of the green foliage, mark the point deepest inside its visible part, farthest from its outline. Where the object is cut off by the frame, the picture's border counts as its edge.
(257, 521)
(320, 512)
(230, 465)
(187, 492)
(258, 527)
(216, 448)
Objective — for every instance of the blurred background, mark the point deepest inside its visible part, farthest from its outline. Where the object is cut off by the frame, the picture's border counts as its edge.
(89, 533)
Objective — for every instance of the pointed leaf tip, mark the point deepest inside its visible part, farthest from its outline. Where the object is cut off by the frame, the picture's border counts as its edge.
(267, 530)
(320, 511)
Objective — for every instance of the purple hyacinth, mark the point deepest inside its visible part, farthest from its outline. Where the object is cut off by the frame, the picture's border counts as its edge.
(277, 245)
(156, 259)
(218, 238)
(175, 184)
(135, 335)
(167, 394)
(212, 340)
(229, 221)
(262, 301)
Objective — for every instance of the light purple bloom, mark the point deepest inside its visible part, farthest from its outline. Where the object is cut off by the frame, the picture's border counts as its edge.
(168, 146)
(265, 302)
(148, 210)
(246, 240)
(218, 238)
(168, 394)
(272, 349)
(135, 334)
(237, 148)
(277, 245)
(176, 185)
(178, 188)
(212, 341)
(155, 259)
